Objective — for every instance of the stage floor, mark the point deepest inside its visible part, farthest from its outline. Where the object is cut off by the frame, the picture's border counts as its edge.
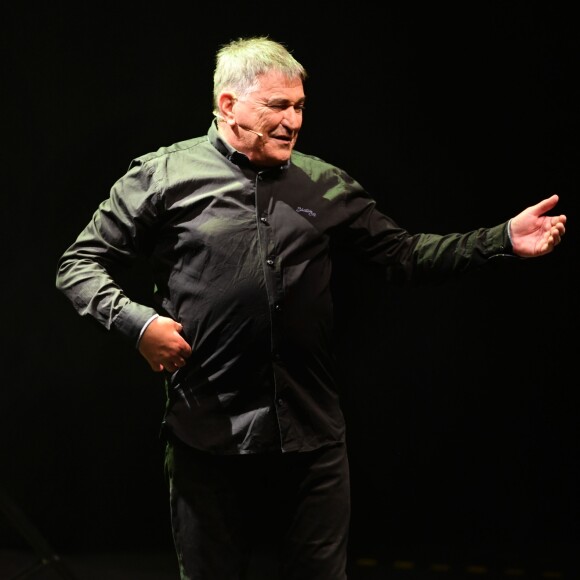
(21, 564)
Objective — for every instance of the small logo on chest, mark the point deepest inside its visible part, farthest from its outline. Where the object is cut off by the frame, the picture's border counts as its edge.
(307, 211)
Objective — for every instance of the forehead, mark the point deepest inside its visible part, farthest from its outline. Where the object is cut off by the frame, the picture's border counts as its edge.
(276, 85)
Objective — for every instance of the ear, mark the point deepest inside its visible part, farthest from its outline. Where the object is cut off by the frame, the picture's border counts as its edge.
(226, 101)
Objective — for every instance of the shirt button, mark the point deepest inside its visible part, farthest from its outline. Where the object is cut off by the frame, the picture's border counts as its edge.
(270, 262)
(277, 308)
(281, 402)
(263, 220)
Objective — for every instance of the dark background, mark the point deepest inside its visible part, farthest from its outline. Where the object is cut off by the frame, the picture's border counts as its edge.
(461, 399)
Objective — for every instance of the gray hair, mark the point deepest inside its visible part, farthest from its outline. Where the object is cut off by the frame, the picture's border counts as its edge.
(240, 63)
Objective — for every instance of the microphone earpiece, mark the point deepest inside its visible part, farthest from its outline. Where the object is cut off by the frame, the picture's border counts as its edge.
(222, 120)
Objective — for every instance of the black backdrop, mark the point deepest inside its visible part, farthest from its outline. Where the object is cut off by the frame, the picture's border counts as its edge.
(460, 399)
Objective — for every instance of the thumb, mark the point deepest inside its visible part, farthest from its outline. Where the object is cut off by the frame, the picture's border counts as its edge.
(157, 367)
(545, 205)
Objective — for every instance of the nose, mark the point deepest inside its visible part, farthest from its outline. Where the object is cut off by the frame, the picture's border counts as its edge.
(292, 118)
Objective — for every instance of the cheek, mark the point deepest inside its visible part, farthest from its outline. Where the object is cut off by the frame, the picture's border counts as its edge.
(270, 121)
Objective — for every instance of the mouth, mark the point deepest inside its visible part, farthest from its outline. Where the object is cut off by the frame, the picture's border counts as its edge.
(285, 138)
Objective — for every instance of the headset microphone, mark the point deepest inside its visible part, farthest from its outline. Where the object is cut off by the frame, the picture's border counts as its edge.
(250, 130)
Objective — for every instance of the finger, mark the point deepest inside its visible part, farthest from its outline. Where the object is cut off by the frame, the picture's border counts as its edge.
(173, 365)
(559, 221)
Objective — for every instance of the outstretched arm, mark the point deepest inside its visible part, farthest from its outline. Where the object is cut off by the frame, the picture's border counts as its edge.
(534, 234)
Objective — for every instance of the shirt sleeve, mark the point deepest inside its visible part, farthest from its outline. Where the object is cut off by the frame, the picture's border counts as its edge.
(421, 257)
(111, 241)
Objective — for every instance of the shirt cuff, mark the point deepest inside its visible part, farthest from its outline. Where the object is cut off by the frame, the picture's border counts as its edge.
(145, 328)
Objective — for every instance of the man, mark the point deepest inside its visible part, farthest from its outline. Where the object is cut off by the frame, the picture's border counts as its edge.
(237, 227)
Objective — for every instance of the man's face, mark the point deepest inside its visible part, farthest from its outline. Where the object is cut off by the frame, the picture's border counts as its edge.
(274, 111)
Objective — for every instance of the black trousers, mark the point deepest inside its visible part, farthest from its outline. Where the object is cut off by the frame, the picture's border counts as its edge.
(290, 508)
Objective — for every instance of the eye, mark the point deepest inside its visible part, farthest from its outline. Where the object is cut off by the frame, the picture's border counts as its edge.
(283, 106)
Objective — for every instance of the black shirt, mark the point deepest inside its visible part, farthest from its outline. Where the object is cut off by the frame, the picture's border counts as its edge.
(241, 257)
